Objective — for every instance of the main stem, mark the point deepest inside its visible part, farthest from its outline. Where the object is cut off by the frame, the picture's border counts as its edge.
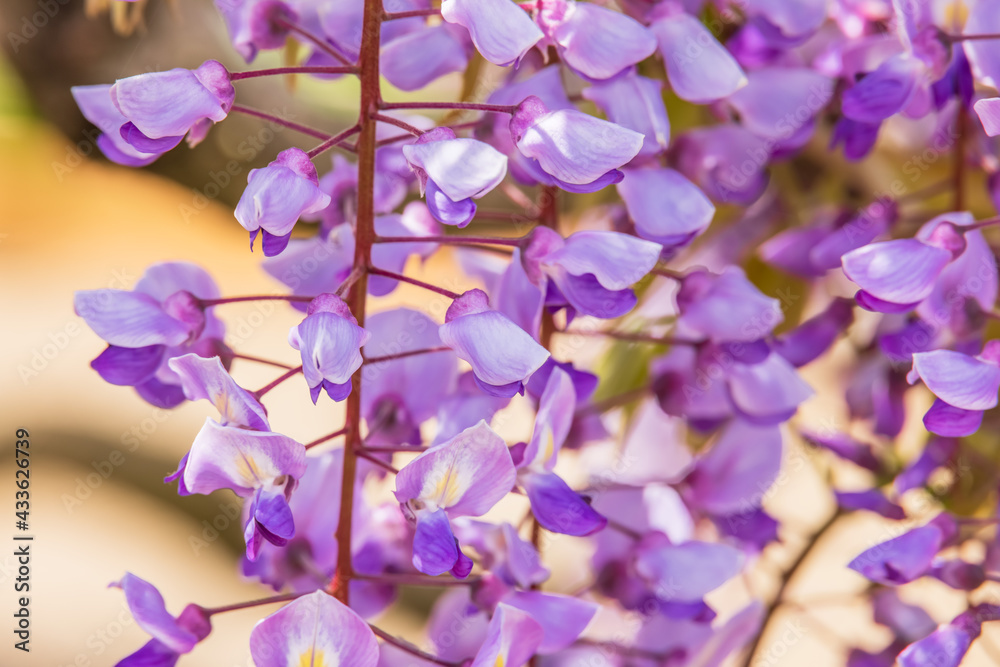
(371, 98)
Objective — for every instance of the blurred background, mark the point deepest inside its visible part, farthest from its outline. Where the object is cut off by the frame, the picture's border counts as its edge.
(71, 220)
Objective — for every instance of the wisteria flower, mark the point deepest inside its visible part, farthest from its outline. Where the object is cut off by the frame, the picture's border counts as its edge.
(908, 556)
(171, 636)
(699, 68)
(617, 97)
(160, 319)
(964, 386)
(555, 505)
(575, 151)
(895, 276)
(315, 630)
(330, 341)
(512, 638)
(161, 107)
(589, 272)
(277, 196)
(596, 42)
(96, 105)
(501, 31)
(465, 476)
(665, 206)
(452, 171)
(502, 355)
(401, 394)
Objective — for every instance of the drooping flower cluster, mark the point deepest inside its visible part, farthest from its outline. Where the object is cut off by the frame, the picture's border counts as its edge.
(627, 377)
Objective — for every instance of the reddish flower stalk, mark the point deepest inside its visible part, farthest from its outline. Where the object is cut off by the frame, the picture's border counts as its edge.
(371, 98)
(274, 71)
(413, 281)
(268, 387)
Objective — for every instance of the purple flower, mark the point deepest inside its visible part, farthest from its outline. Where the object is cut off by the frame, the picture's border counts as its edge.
(907, 557)
(316, 629)
(872, 500)
(171, 636)
(401, 394)
(259, 465)
(578, 152)
(512, 638)
(988, 111)
(443, 49)
(787, 22)
(733, 475)
(946, 646)
(725, 307)
(501, 354)
(159, 320)
(727, 161)
(277, 196)
(453, 171)
(503, 552)
(465, 476)
(965, 386)
(590, 272)
(885, 91)
(636, 103)
(254, 24)
(781, 103)
(685, 572)
(161, 107)
(208, 379)
(555, 505)
(699, 68)
(330, 341)
(895, 276)
(665, 206)
(595, 42)
(501, 31)
(96, 105)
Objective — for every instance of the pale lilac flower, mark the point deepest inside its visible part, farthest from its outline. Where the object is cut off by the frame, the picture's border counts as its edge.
(330, 341)
(277, 196)
(665, 206)
(907, 557)
(512, 638)
(501, 31)
(161, 107)
(595, 42)
(589, 272)
(502, 355)
(453, 171)
(579, 153)
(316, 629)
(555, 505)
(171, 636)
(965, 386)
(96, 105)
(699, 68)
(465, 476)
(636, 103)
(147, 327)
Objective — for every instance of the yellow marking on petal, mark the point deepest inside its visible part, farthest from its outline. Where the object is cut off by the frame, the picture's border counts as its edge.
(500, 661)
(447, 491)
(955, 15)
(550, 443)
(312, 658)
(247, 467)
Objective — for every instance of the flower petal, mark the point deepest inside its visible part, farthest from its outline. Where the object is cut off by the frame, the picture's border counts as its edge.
(700, 69)
(665, 206)
(461, 167)
(958, 379)
(128, 366)
(208, 379)
(467, 475)
(902, 271)
(617, 260)
(316, 629)
(501, 31)
(435, 550)
(559, 508)
(227, 457)
(150, 613)
(128, 319)
(599, 43)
